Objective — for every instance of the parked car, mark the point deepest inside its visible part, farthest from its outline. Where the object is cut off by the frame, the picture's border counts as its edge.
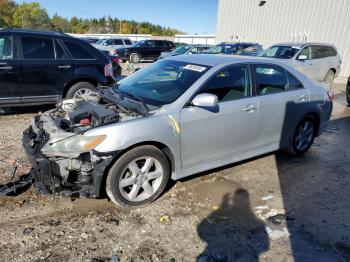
(177, 117)
(43, 67)
(110, 44)
(348, 92)
(144, 50)
(91, 40)
(320, 62)
(241, 48)
(186, 50)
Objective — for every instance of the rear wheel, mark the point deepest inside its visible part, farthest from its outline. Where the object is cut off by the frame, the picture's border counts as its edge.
(329, 78)
(138, 177)
(81, 89)
(303, 137)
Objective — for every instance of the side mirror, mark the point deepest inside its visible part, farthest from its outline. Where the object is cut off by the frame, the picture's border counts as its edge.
(205, 100)
(302, 57)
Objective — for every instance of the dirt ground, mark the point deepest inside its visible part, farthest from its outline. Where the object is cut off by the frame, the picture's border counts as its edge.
(270, 208)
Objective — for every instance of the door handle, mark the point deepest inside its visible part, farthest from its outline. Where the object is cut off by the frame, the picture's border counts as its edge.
(250, 108)
(64, 66)
(302, 97)
(6, 67)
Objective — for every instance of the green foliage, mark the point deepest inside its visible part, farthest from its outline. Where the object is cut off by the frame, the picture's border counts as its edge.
(33, 16)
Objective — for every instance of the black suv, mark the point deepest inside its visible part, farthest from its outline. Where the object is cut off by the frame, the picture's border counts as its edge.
(146, 49)
(43, 67)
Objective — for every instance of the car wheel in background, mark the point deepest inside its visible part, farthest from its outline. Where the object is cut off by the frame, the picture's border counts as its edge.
(303, 137)
(134, 58)
(329, 78)
(80, 89)
(138, 177)
(348, 94)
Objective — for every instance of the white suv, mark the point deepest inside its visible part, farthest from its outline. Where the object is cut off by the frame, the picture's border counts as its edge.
(320, 62)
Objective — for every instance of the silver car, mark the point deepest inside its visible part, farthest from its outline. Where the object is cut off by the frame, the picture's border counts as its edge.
(179, 116)
(110, 44)
(320, 62)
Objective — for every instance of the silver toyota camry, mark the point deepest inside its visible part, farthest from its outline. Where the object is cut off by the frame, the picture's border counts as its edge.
(177, 117)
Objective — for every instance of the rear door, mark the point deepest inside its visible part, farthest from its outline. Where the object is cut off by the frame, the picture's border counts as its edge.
(9, 91)
(320, 61)
(282, 101)
(45, 68)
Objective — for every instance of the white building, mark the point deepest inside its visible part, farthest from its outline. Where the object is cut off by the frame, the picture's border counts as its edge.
(273, 21)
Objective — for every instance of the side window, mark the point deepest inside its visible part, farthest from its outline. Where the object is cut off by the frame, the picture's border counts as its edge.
(270, 79)
(150, 44)
(60, 54)
(77, 51)
(127, 42)
(307, 52)
(118, 42)
(194, 50)
(250, 48)
(159, 43)
(229, 83)
(37, 48)
(293, 82)
(331, 51)
(109, 42)
(318, 52)
(5, 48)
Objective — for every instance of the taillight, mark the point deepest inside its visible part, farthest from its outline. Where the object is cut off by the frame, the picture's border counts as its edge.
(330, 95)
(116, 60)
(109, 70)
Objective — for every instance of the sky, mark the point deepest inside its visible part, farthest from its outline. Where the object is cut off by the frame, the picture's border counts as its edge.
(190, 16)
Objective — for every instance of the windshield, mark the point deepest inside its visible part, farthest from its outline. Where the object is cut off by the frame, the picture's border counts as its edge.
(100, 41)
(162, 82)
(182, 49)
(284, 52)
(139, 43)
(222, 49)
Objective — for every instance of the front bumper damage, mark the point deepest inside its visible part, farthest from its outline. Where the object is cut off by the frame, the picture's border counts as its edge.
(71, 176)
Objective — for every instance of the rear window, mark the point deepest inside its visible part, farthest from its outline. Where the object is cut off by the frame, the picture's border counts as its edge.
(77, 51)
(331, 51)
(118, 42)
(37, 48)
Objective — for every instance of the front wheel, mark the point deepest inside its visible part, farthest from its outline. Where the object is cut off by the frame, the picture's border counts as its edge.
(135, 58)
(303, 137)
(138, 177)
(348, 94)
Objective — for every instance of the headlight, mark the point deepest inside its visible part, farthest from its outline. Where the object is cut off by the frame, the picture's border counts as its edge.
(74, 144)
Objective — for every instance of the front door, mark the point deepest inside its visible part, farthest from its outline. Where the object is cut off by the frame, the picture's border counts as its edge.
(209, 135)
(44, 69)
(9, 92)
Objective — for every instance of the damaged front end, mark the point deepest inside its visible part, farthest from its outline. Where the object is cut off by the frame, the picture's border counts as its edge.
(63, 159)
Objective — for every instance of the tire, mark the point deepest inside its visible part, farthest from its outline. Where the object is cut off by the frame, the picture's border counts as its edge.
(81, 87)
(127, 184)
(134, 58)
(303, 137)
(348, 94)
(329, 78)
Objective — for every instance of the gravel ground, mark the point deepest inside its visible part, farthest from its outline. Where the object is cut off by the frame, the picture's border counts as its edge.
(270, 208)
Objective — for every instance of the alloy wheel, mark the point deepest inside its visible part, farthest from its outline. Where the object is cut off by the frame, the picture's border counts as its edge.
(141, 179)
(304, 135)
(83, 93)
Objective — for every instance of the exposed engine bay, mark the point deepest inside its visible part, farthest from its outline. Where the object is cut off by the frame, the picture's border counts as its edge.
(62, 157)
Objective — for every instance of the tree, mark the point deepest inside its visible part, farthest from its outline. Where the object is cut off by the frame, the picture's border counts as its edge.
(60, 24)
(7, 9)
(31, 16)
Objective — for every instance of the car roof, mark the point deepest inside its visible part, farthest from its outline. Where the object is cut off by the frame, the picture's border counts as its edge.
(300, 44)
(213, 60)
(34, 32)
(237, 43)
